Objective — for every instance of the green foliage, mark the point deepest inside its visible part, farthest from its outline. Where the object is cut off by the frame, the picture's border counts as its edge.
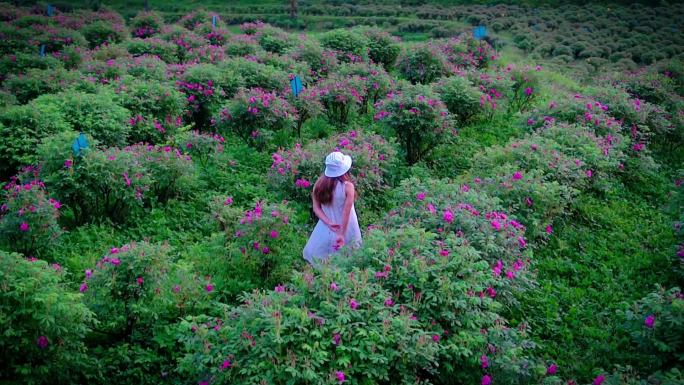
(419, 119)
(156, 108)
(23, 127)
(461, 98)
(423, 64)
(255, 116)
(275, 40)
(97, 114)
(100, 32)
(382, 47)
(258, 251)
(44, 324)
(350, 45)
(296, 325)
(36, 82)
(28, 218)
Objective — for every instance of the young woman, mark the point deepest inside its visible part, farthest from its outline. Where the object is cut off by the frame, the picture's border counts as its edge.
(333, 203)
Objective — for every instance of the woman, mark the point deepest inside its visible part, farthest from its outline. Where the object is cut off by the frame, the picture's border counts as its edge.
(333, 203)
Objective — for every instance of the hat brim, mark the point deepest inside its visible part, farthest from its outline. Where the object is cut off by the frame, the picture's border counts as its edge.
(334, 172)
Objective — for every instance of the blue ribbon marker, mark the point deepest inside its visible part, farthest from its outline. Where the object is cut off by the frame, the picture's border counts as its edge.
(50, 10)
(81, 143)
(42, 50)
(213, 21)
(479, 32)
(296, 85)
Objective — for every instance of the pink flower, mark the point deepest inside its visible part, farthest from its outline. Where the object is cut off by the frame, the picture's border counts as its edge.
(420, 196)
(225, 365)
(389, 302)
(88, 273)
(114, 250)
(228, 201)
(303, 183)
(115, 261)
(517, 175)
(431, 208)
(549, 229)
(486, 380)
(649, 321)
(209, 288)
(448, 216)
(336, 339)
(491, 292)
(551, 370)
(139, 280)
(68, 163)
(435, 337)
(496, 270)
(496, 225)
(521, 242)
(353, 304)
(265, 250)
(24, 227)
(444, 253)
(599, 380)
(484, 361)
(274, 234)
(176, 289)
(528, 91)
(589, 173)
(279, 289)
(42, 342)
(83, 288)
(333, 287)
(530, 121)
(340, 376)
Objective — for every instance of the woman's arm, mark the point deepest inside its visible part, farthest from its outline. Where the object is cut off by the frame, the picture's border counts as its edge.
(321, 215)
(349, 194)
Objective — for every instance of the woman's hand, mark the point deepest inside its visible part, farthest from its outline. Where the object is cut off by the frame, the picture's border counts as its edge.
(334, 227)
(339, 241)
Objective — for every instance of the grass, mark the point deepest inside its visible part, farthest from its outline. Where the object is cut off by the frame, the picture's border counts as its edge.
(609, 254)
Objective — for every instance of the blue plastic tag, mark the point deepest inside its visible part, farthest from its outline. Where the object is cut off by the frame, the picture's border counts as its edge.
(50, 10)
(81, 143)
(296, 85)
(42, 50)
(480, 32)
(213, 21)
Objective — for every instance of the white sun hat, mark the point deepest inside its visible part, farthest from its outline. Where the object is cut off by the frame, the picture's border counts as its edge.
(337, 164)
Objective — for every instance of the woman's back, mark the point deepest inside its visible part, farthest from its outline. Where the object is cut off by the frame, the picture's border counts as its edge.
(321, 243)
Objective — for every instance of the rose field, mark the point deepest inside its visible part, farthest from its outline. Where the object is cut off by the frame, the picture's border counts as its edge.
(519, 169)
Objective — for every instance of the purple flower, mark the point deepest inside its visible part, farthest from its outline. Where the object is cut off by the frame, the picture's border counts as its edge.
(68, 163)
(280, 289)
(486, 380)
(650, 321)
(336, 339)
(389, 302)
(274, 234)
(340, 376)
(209, 288)
(599, 380)
(551, 370)
(528, 91)
(420, 196)
(353, 304)
(333, 286)
(24, 227)
(43, 342)
(225, 365)
(448, 216)
(83, 288)
(517, 175)
(484, 361)
(88, 273)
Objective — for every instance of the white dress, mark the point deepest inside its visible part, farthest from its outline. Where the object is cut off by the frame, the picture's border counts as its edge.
(322, 241)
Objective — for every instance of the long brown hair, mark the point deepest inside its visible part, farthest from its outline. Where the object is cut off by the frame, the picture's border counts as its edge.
(325, 185)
